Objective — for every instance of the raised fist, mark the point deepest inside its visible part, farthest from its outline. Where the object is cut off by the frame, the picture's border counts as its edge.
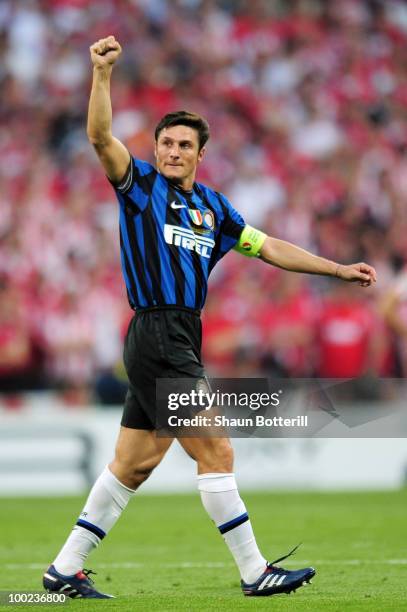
(105, 51)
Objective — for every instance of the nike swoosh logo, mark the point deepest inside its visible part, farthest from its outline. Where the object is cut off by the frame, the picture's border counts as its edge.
(175, 205)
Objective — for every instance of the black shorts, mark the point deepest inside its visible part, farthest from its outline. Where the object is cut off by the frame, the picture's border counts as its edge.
(160, 343)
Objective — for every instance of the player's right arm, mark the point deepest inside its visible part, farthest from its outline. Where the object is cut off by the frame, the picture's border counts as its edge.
(112, 153)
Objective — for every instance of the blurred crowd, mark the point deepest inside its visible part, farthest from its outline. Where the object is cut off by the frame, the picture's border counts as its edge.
(306, 102)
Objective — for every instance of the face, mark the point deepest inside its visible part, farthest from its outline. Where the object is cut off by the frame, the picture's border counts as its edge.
(177, 154)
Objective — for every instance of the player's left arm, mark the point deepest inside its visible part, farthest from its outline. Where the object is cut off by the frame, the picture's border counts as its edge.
(288, 256)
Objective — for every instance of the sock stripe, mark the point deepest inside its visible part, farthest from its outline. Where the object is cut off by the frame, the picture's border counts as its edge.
(90, 527)
(233, 523)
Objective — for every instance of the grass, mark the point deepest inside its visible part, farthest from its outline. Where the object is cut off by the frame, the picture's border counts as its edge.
(165, 554)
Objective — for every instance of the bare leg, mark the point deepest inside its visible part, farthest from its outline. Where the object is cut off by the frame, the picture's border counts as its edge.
(138, 452)
(211, 454)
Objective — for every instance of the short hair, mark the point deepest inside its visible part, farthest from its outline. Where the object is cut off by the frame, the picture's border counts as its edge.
(191, 120)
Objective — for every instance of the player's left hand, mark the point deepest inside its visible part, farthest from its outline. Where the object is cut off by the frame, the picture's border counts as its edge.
(360, 272)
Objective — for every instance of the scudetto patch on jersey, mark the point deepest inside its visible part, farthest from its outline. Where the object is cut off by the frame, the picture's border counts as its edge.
(196, 216)
(203, 222)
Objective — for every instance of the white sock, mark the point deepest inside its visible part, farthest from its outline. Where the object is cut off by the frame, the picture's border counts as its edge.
(107, 500)
(222, 502)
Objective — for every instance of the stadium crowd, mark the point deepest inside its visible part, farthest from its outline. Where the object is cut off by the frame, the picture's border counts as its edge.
(306, 102)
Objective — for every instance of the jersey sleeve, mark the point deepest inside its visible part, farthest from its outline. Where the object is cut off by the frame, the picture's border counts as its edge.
(135, 188)
(231, 227)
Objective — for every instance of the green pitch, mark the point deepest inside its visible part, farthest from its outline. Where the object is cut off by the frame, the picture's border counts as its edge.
(165, 554)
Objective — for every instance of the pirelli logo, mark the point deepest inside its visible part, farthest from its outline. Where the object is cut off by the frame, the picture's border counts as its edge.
(185, 238)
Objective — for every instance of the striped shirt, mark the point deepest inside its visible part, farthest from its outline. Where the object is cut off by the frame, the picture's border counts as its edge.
(171, 239)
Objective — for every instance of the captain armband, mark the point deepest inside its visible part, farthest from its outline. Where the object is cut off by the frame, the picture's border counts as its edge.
(250, 242)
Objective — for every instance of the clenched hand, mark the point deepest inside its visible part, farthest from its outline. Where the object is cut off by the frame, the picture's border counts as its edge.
(105, 52)
(359, 272)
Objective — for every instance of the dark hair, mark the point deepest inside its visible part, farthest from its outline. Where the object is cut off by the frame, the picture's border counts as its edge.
(192, 120)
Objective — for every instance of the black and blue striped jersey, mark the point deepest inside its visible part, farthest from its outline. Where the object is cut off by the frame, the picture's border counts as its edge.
(171, 239)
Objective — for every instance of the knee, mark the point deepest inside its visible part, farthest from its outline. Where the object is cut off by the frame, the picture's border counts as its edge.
(132, 474)
(138, 475)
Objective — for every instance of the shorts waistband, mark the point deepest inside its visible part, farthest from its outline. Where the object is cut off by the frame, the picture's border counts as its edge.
(197, 313)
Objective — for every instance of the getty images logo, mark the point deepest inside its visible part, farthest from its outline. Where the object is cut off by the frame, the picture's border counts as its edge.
(185, 238)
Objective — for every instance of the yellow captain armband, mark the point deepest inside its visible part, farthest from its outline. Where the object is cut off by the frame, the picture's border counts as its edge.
(250, 242)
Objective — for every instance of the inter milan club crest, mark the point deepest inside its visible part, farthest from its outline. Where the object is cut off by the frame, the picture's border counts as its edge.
(209, 219)
(204, 221)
